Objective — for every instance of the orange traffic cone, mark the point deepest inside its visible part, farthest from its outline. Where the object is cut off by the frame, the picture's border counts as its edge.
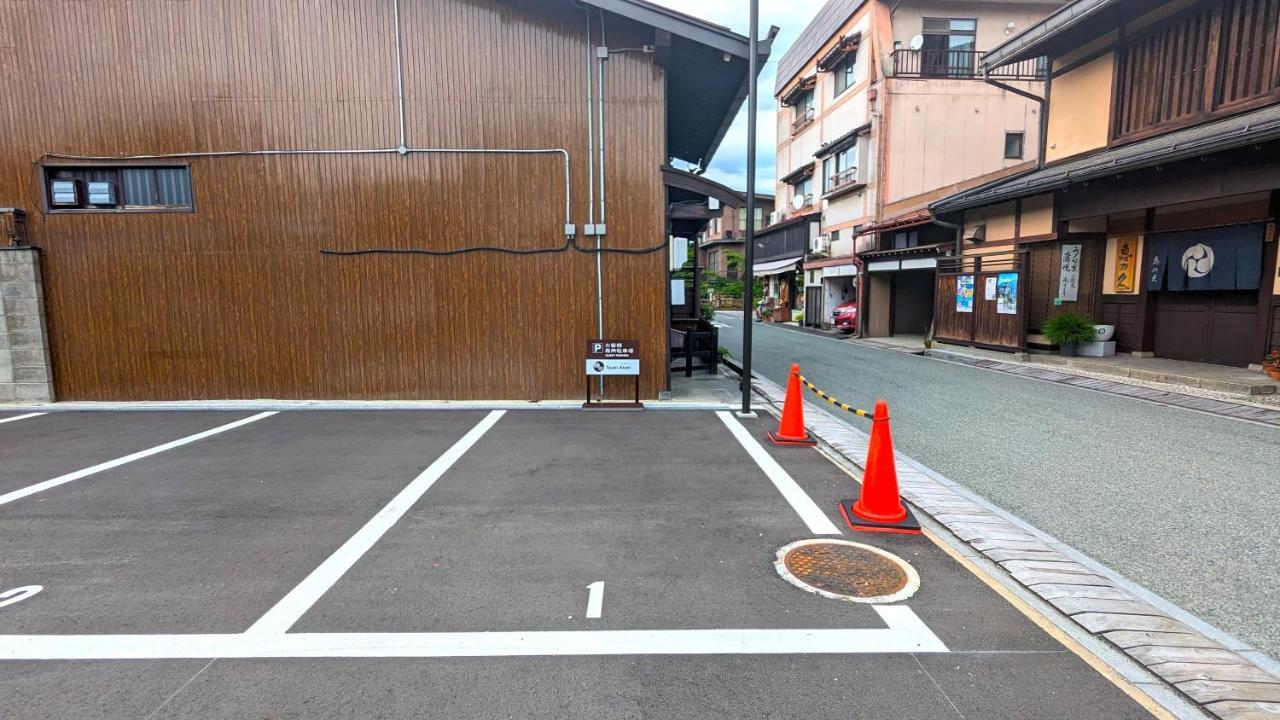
(878, 508)
(791, 429)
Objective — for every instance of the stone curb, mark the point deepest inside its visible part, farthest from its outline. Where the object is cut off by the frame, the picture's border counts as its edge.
(1223, 408)
(1222, 682)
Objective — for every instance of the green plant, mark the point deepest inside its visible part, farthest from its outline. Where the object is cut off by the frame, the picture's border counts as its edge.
(1069, 328)
(708, 313)
(723, 352)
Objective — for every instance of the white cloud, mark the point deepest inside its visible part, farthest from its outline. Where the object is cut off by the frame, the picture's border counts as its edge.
(730, 162)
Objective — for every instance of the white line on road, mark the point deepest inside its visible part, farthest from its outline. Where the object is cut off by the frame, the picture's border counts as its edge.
(595, 601)
(299, 600)
(71, 477)
(805, 507)
(16, 418)
(17, 595)
(905, 633)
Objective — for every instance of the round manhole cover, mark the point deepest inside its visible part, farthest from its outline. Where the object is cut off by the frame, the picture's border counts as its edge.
(844, 570)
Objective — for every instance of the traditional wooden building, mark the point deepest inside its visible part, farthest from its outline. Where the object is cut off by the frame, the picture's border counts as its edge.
(344, 199)
(1155, 207)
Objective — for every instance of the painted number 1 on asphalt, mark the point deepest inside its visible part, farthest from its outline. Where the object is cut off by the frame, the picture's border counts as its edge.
(595, 600)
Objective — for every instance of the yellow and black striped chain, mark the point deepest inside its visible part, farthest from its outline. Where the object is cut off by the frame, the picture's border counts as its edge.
(833, 401)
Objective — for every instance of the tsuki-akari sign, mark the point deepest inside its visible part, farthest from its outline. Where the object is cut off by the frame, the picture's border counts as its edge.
(612, 357)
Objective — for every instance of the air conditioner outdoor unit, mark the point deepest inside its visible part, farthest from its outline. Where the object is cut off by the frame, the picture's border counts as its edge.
(820, 244)
(775, 217)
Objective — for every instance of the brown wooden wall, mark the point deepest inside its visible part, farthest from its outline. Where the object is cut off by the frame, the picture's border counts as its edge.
(1215, 58)
(985, 326)
(235, 300)
(1044, 276)
(1122, 311)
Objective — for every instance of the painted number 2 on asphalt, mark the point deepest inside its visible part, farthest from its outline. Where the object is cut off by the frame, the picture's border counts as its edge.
(17, 595)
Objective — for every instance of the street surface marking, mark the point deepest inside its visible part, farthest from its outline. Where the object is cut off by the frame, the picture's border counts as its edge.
(293, 606)
(17, 595)
(71, 477)
(805, 507)
(905, 633)
(595, 601)
(16, 418)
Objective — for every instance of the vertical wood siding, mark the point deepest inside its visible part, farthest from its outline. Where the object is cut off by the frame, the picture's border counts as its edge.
(235, 300)
(1218, 58)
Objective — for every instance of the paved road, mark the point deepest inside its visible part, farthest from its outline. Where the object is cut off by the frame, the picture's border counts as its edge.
(462, 590)
(1184, 503)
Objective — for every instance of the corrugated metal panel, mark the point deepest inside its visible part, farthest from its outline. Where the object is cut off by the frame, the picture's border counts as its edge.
(235, 300)
(825, 24)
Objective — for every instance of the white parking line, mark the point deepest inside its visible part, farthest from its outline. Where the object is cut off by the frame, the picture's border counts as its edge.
(16, 418)
(805, 507)
(77, 475)
(299, 600)
(905, 633)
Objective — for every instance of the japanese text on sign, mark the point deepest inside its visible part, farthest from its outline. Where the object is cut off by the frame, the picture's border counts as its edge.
(612, 357)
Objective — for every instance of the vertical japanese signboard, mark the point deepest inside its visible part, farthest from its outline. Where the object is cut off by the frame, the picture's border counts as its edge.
(1069, 274)
(1126, 264)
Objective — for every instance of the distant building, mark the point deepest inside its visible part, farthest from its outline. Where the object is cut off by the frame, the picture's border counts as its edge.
(726, 234)
(881, 111)
(1155, 210)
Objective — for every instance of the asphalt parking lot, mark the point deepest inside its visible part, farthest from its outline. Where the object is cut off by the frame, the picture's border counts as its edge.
(312, 564)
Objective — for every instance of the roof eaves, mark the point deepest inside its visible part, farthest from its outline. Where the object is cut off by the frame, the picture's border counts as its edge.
(764, 47)
(1026, 43)
(678, 23)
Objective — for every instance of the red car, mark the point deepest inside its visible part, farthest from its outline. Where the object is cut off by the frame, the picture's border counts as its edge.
(845, 316)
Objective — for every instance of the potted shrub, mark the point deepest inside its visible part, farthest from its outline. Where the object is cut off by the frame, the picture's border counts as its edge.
(1068, 330)
(1272, 364)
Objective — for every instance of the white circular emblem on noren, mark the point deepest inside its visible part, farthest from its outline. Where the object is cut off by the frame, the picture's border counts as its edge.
(1198, 260)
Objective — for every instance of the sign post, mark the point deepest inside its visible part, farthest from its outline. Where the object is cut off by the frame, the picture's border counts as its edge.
(748, 281)
(612, 357)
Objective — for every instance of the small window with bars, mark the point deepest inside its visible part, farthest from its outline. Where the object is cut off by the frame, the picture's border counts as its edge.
(135, 189)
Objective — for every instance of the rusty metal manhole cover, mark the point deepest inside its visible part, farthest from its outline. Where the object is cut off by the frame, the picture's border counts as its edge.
(844, 570)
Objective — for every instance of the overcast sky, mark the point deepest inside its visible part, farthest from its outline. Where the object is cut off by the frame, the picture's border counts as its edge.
(729, 166)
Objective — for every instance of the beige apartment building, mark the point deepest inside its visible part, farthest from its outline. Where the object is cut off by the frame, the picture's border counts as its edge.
(882, 110)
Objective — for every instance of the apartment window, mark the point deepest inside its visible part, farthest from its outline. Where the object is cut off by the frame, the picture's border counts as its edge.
(1013, 145)
(118, 188)
(950, 47)
(844, 74)
(840, 169)
(759, 219)
(904, 240)
(803, 188)
(805, 103)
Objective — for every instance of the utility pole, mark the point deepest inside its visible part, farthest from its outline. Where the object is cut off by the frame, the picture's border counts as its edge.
(748, 282)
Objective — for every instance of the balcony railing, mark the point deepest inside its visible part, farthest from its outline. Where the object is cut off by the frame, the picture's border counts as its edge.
(806, 202)
(961, 64)
(842, 179)
(803, 121)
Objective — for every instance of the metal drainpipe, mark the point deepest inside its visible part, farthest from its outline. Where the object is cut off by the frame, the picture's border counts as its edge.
(959, 229)
(599, 234)
(400, 81)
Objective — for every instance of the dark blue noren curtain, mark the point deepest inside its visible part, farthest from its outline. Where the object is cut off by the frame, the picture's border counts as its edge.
(1225, 258)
